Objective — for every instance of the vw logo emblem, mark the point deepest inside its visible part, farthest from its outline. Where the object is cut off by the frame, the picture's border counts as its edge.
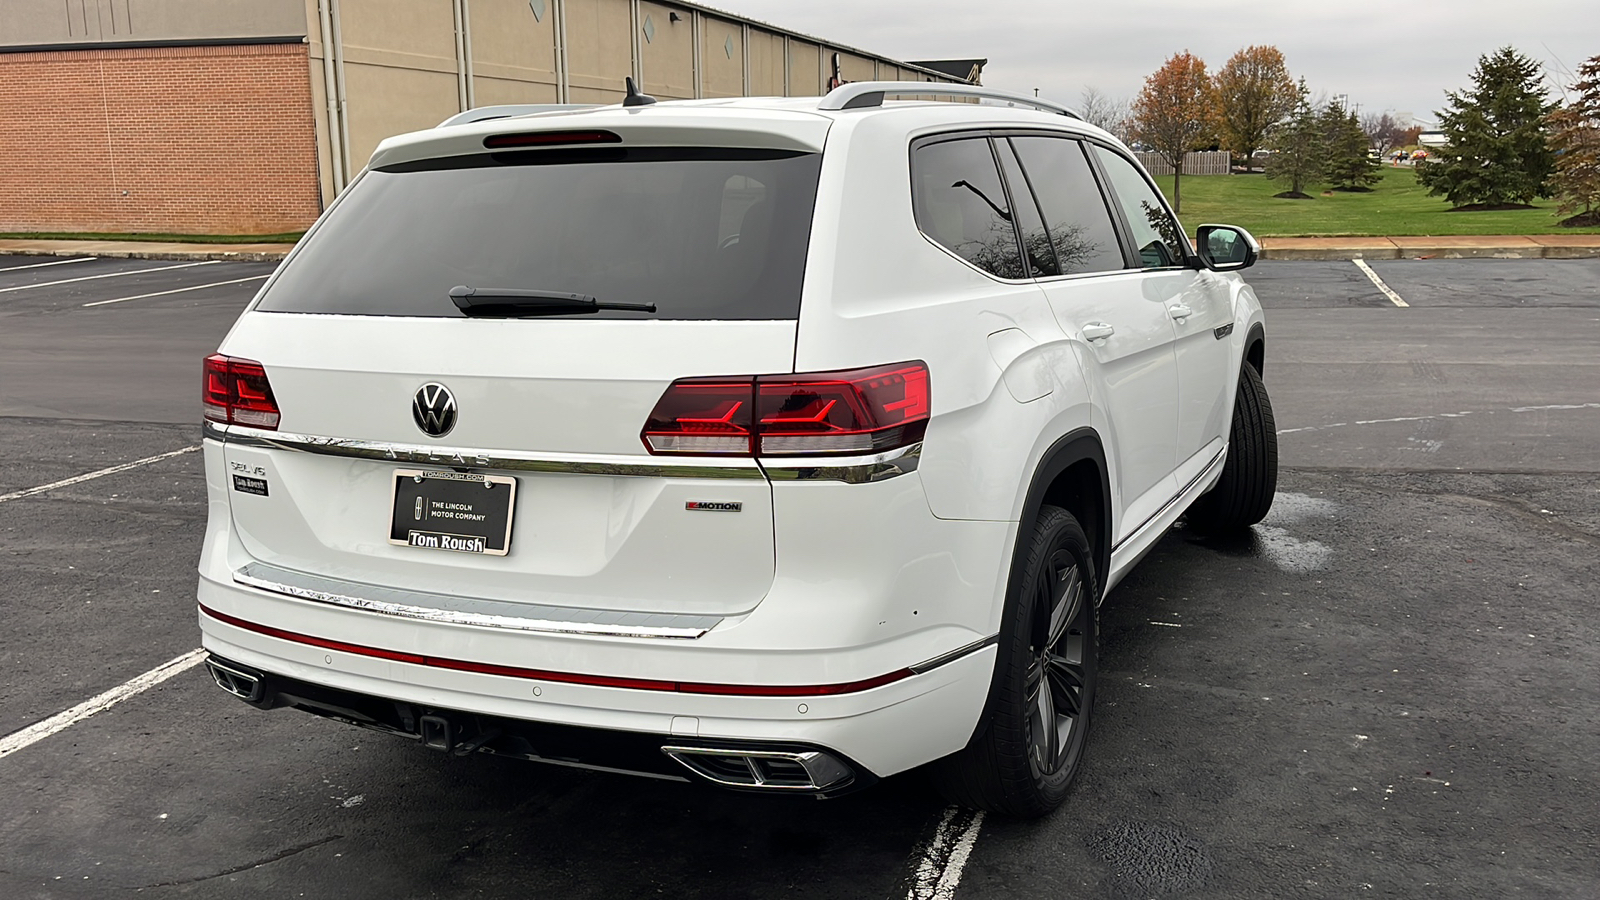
(434, 409)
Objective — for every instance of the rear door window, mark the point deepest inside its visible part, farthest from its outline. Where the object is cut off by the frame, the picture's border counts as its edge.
(703, 233)
(961, 205)
(1080, 224)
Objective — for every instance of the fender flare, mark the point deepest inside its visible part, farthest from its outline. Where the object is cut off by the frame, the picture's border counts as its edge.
(1074, 447)
(1070, 449)
(1256, 335)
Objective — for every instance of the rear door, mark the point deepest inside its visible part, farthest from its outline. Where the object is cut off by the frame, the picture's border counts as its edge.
(361, 319)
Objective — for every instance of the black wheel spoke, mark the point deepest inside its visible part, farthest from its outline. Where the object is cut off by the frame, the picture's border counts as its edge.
(1066, 686)
(1045, 729)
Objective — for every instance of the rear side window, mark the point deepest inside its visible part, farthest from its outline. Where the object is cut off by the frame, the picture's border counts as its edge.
(701, 233)
(1079, 222)
(1155, 233)
(960, 204)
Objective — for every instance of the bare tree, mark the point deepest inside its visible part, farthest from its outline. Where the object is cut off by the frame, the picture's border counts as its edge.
(1383, 132)
(1105, 112)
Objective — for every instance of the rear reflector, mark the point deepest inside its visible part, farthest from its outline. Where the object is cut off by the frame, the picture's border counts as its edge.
(236, 392)
(855, 412)
(550, 139)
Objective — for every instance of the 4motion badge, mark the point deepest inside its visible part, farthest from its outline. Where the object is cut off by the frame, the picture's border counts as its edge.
(714, 505)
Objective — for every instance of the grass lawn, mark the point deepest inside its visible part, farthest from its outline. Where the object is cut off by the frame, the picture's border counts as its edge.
(1396, 206)
(286, 238)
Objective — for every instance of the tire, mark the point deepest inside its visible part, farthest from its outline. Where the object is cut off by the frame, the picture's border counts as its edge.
(1242, 496)
(1045, 672)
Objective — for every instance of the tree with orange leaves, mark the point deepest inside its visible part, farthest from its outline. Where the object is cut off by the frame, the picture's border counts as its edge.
(1254, 93)
(1175, 113)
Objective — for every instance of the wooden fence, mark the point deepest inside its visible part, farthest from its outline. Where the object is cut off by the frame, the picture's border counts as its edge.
(1200, 162)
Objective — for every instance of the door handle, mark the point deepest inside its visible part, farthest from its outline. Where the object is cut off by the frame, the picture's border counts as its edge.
(1180, 312)
(1094, 331)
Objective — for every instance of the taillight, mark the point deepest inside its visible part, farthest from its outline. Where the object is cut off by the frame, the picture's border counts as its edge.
(236, 392)
(857, 412)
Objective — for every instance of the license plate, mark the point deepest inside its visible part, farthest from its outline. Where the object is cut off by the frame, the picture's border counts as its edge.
(456, 511)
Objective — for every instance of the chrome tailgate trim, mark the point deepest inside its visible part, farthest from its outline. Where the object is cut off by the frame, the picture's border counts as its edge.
(451, 610)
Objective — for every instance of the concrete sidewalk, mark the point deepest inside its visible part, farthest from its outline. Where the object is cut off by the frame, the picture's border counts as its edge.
(1538, 246)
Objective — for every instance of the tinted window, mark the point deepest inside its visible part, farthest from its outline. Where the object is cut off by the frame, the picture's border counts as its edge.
(960, 204)
(1036, 244)
(1080, 224)
(703, 234)
(1155, 232)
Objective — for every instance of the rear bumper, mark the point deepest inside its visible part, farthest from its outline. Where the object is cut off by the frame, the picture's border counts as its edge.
(878, 730)
(872, 639)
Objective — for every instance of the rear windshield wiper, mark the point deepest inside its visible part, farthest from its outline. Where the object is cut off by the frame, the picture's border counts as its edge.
(506, 303)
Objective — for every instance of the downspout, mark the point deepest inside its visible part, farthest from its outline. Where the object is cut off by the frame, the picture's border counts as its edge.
(338, 74)
(466, 46)
(330, 94)
(461, 61)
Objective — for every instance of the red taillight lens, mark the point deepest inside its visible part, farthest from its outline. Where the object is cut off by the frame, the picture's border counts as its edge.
(826, 413)
(703, 416)
(856, 412)
(236, 391)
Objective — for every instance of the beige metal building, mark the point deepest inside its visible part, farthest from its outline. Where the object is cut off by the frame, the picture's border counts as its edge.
(299, 92)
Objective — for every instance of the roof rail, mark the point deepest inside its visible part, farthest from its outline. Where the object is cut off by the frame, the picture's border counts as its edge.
(482, 113)
(864, 94)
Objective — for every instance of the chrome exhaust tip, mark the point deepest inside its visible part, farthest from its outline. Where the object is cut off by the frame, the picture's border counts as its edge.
(247, 686)
(772, 770)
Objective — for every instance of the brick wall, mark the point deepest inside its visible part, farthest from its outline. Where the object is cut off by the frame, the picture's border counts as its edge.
(186, 140)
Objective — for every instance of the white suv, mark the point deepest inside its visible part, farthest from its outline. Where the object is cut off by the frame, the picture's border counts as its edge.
(784, 444)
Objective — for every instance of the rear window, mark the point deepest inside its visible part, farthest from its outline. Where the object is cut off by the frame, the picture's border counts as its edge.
(702, 233)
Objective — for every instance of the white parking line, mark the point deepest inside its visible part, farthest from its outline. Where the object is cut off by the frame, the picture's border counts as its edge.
(939, 870)
(179, 290)
(90, 476)
(59, 262)
(1387, 291)
(38, 731)
(189, 265)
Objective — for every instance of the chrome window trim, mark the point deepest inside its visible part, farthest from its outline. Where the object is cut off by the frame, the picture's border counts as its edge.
(484, 613)
(850, 470)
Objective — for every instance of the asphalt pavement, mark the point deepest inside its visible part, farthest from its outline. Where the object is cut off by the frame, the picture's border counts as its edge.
(1387, 689)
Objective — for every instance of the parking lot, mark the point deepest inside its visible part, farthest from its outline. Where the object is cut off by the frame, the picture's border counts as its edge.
(1388, 689)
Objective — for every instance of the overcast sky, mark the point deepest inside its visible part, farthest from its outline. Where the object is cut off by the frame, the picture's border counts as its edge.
(1399, 56)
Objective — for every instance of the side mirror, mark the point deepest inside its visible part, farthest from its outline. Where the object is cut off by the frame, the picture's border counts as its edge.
(1226, 248)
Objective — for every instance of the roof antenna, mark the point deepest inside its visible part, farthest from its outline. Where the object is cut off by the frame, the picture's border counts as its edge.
(635, 98)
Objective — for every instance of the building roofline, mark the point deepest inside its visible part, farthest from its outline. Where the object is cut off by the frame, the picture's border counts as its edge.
(823, 42)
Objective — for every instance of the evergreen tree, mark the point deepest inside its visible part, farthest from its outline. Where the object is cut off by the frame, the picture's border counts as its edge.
(1575, 138)
(1497, 154)
(1347, 166)
(1297, 147)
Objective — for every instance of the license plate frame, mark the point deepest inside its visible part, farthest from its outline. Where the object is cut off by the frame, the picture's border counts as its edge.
(464, 507)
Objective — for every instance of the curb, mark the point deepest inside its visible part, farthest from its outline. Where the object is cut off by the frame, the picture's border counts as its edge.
(178, 255)
(1337, 253)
